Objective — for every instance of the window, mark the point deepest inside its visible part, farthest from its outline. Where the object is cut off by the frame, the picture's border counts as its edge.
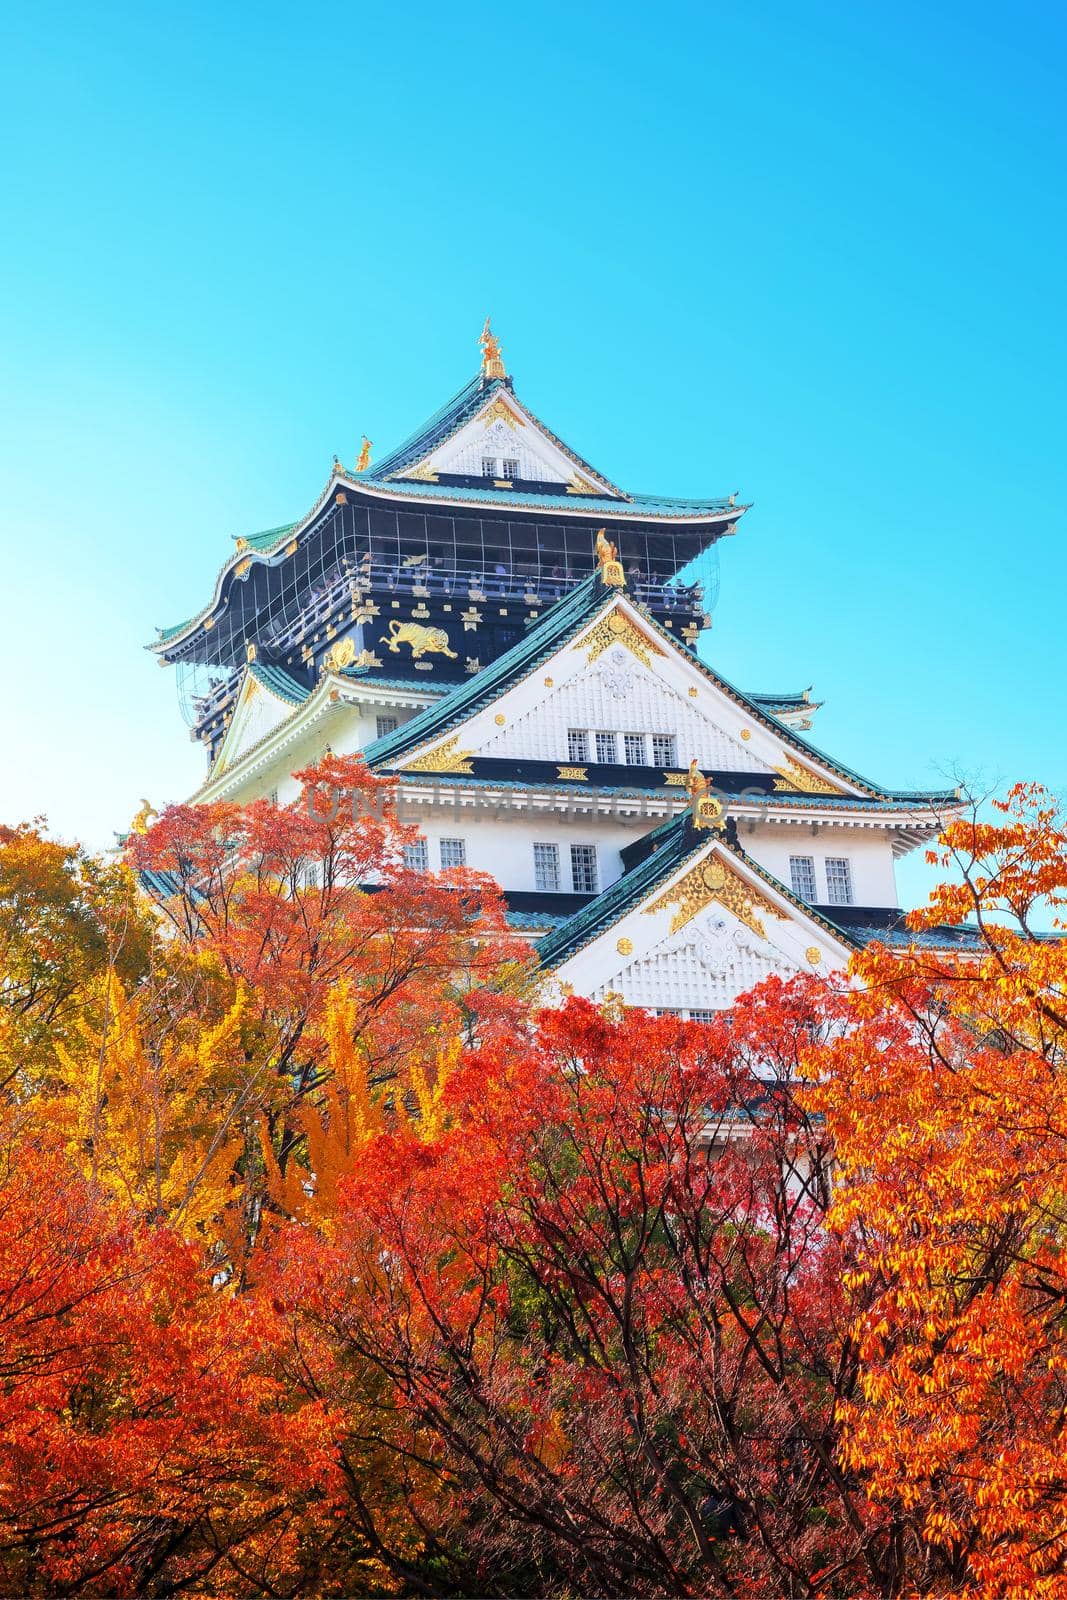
(577, 744)
(583, 868)
(838, 881)
(417, 856)
(663, 750)
(802, 877)
(387, 725)
(700, 1016)
(489, 466)
(634, 747)
(453, 853)
(606, 747)
(546, 867)
(511, 467)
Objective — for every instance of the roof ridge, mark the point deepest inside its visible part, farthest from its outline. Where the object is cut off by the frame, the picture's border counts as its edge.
(400, 454)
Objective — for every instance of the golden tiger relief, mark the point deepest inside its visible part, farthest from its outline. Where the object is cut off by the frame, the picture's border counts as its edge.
(423, 641)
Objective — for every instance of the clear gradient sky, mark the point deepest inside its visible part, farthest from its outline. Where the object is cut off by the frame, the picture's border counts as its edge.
(812, 252)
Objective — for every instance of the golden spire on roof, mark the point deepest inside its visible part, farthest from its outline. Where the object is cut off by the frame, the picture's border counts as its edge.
(364, 455)
(492, 360)
(611, 568)
(705, 810)
(142, 821)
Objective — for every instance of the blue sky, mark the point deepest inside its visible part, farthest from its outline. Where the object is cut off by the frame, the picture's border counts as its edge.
(814, 253)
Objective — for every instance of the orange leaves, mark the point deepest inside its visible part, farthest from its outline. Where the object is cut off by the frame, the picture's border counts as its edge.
(593, 1280)
(140, 1417)
(945, 1099)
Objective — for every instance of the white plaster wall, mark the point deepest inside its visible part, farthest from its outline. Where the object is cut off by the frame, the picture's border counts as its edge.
(870, 853)
(616, 694)
(504, 846)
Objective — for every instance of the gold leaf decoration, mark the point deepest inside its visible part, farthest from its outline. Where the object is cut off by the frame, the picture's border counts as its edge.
(574, 774)
(712, 880)
(794, 776)
(339, 655)
(500, 412)
(617, 629)
(444, 757)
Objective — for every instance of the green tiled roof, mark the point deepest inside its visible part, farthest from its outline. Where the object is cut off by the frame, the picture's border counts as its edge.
(634, 507)
(793, 701)
(366, 675)
(269, 537)
(452, 415)
(279, 682)
(163, 635)
(677, 841)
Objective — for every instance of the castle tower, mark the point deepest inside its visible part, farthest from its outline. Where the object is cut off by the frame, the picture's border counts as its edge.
(512, 635)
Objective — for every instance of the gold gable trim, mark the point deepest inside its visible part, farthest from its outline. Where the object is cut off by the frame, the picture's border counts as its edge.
(794, 776)
(617, 629)
(498, 411)
(712, 880)
(443, 758)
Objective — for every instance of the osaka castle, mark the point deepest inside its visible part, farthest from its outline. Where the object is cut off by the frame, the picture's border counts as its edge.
(512, 636)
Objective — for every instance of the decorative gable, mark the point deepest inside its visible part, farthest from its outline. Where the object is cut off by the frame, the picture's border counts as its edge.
(617, 692)
(703, 969)
(504, 442)
(700, 937)
(256, 713)
(617, 673)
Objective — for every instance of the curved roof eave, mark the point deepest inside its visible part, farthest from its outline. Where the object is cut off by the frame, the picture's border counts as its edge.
(638, 508)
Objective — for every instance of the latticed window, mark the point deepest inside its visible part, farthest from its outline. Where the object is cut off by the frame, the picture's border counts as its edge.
(663, 750)
(701, 1016)
(489, 466)
(583, 868)
(838, 880)
(633, 745)
(387, 725)
(453, 853)
(417, 856)
(802, 877)
(511, 467)
(606, 748)
(577, 744)
(546, 867)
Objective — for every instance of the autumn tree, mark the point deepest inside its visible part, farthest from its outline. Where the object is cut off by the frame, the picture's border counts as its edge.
(66, 919)
(149, 1446)
(307, 974)
(610, 1317)
(945, 1100)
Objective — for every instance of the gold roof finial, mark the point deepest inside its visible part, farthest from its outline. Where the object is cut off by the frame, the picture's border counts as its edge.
(364, 455)
(492, 360)
(705, 810)
(141, 821)
(611, 568)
